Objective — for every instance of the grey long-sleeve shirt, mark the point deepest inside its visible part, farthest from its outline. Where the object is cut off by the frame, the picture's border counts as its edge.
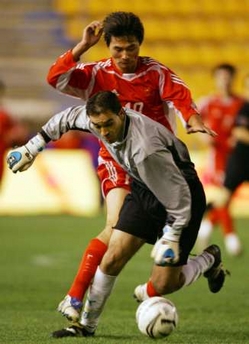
(149, 153)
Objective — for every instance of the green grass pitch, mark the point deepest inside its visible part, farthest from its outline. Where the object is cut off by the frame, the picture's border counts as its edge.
(39, 256)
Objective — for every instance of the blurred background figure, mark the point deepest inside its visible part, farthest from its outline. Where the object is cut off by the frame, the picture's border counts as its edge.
(237, 168)
(12, 132)
(219, 111)
(246, 87)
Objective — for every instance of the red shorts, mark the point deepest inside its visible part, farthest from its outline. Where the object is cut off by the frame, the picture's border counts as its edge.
(110, 173)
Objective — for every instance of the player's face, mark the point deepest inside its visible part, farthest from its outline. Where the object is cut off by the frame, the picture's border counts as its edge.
(124, 52)
(223, 80)
(109, 125)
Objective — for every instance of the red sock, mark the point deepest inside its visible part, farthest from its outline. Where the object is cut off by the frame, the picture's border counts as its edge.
(213, 216)
(222, 216)
(226, 221)
(89, 263)
(151, 291)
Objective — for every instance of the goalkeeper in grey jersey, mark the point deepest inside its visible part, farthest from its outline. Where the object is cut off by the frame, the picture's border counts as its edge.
(165, 206)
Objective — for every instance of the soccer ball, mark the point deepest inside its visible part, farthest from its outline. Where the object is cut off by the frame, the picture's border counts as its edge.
(156, 317)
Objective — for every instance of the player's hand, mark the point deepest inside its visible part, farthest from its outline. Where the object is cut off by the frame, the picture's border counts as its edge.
(92, 33)
(20, 159)
(196, 125)
(166, 249)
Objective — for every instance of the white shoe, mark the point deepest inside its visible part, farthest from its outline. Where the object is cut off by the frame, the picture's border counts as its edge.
(204, 235)
(70, 307)
(140, 293)
(233, 244)
(90, 315)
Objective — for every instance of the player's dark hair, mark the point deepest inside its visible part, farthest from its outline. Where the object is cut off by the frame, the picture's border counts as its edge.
(122, 24)
(227, 66)
(102, 102)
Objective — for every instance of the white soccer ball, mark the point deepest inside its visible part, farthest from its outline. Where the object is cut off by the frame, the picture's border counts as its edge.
(156, 317)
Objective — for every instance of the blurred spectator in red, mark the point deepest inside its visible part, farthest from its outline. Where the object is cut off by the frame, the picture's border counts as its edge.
(219, 112)
(12, 133)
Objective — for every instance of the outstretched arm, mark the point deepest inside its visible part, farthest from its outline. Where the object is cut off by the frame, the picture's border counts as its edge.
(64, 75)
(195, 125)
(174, 194)
(75, 118)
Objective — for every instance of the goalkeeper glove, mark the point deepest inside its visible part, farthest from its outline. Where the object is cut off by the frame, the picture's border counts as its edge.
(166, 249)
(21, 158)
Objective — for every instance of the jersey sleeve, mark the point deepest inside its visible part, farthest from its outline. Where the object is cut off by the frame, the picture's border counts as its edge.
(74, 118)
(70, 77)
(176, 92)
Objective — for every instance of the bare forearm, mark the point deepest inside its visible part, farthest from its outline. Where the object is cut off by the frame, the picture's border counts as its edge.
(79, 50)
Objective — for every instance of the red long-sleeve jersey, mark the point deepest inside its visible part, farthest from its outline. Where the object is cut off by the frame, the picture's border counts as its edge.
(149, 90)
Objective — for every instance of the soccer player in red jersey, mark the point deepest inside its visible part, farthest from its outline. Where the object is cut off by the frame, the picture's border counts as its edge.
(219, 112)
(141, 83)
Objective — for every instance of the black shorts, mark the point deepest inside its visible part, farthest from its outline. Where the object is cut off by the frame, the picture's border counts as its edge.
(237, 169)
(143, 216)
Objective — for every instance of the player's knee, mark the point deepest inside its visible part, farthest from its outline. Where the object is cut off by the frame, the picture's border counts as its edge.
(105, 235)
